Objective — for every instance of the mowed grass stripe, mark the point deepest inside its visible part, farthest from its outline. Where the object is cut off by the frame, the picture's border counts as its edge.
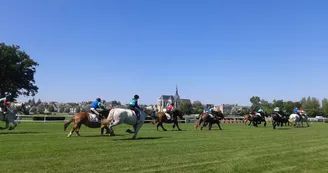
(35, 147)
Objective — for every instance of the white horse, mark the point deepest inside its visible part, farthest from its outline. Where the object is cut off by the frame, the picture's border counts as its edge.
(10, 115)
(118, 116)
(295, 119)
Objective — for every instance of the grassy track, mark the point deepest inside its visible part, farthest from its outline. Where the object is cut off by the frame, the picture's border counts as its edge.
(38, 147)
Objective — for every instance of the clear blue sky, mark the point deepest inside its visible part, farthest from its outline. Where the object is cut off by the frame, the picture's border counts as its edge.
(217, 51)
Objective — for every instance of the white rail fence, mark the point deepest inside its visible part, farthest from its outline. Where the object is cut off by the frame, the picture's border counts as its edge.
(188, 119)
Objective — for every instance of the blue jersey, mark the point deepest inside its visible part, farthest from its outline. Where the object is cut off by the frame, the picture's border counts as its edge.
(208, 110)
(134, 103)
(95, 104)
(296, 111)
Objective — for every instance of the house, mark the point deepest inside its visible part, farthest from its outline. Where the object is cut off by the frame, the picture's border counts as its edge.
(166, 100)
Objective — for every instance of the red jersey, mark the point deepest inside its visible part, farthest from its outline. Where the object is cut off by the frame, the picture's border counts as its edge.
(169, 108)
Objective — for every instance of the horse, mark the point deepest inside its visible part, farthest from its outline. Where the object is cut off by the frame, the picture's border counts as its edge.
(295, 119)
(127, 116)
(277, 120)
(205, 118)
(86, 118)
(304, 118)
(10, 116)
(285, 120)
(162, 117)
(256, 118)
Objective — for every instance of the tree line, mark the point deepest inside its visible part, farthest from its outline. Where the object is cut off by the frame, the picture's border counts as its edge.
(311, 105)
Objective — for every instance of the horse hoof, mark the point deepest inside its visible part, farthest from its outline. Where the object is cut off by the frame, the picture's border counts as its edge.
(164, 129)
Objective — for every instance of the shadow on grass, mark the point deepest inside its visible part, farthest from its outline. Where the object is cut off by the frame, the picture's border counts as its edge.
(17, 133)
(140, 138)
(100, 136)
(277, 128)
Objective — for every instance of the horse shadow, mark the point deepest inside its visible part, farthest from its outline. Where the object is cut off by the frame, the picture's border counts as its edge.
(101, 136)
(17, 133)
(282, 128)
(139, 138)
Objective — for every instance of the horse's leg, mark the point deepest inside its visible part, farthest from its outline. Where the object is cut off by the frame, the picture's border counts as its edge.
(250, 121)
(307, 123)
(111, 127)
(72, 131)
(136, 130)
(210, 126)
(265, 123)
(177, 124)
(77, 130)
(219, 125)
(274, 124)
(161, 124)
(204, 124)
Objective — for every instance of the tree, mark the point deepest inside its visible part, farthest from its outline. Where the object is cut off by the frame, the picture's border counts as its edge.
(41, 108)
(17, 71)
(185, 107)
(38, 102)
(198, 107)
(324, 107)
(311, 106)
(78, 109)
(33, 110)
(33, 102)
(51, 108)
(61, 108)
(67, 110)
(255, 100)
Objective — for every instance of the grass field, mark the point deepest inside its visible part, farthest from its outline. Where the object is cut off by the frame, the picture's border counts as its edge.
(38, 147)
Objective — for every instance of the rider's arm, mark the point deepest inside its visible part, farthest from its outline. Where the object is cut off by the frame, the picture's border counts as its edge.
(137, 106)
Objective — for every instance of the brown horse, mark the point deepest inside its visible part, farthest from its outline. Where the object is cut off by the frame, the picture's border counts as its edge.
(161, 118)
(205, 118)
(84, 118)
(255, 118)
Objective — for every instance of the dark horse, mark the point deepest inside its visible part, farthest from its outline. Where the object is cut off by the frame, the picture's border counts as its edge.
(161, 118)
(277, 119)
(84, 118)
(205, 118)
(255, 118)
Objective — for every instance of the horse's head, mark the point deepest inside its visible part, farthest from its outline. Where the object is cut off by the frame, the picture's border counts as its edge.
(178, 113)
(149, 110)
(219, 114)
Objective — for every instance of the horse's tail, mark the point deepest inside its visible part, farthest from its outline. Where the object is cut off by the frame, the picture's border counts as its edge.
(68, 123)
(109, 118)
(199, 121)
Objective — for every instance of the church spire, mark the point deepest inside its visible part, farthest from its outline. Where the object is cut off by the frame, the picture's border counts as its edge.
(176, 90)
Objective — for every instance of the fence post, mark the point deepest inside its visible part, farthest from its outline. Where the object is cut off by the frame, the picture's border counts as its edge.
(44, 119)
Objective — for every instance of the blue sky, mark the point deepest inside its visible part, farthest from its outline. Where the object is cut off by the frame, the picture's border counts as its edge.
(217, 51)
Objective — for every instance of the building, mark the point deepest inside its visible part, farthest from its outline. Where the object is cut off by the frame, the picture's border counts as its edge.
(226, 108)
(166, 100)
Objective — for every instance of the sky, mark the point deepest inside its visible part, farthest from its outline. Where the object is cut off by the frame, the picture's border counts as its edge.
(216, 51)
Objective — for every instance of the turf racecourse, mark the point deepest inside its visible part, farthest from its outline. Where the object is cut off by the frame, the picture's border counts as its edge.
(38, 147)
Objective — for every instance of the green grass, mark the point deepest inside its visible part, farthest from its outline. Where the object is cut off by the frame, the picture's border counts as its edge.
(38, 147)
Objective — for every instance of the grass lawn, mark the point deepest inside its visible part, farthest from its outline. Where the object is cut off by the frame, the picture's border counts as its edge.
(38, 147)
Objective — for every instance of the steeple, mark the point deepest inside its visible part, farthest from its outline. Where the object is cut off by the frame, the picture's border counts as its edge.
(176, 90)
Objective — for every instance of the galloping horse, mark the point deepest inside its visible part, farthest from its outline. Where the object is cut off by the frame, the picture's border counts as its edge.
(10, 115)
(304, 118)
(256, 118)
(121, 115)
(85, 118)
(277, 119)
(205, 118)
(163, 118)
(295, 119)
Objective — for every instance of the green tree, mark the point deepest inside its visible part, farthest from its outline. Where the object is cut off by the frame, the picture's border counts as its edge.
(51, 108)
(266, 106)
(17, 71)
(324, 107)
(255, 100)
(41, 108)
(185, 107)
(311, 106)
(67, 110)
(78, 109)
(33, 110)
(198, 107)
(61, 108)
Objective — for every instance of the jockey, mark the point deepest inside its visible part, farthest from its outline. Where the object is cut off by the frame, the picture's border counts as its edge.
(209, 111)
(135, 107)
(260, 111)
(170, 109)
(277, 110)
(296, 111)
(97, 105)
(3, 103)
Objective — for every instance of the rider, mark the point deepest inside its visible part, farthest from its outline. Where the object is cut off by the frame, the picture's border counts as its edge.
(260, 111)
(135, 107)
(170, 109)
(97, 107)
(209, 111)
(277, 110)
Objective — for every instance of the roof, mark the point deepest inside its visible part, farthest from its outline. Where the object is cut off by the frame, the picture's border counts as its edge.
(166, 97)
